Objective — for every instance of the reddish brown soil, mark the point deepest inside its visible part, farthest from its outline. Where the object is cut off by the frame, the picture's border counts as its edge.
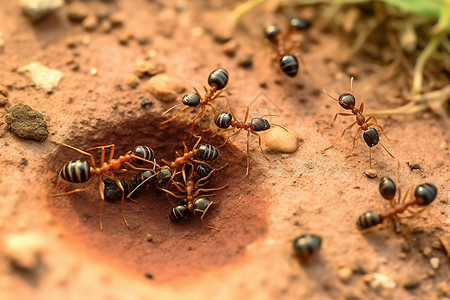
(259, 215)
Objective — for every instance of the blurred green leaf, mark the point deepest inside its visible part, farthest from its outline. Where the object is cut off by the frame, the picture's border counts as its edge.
(427, 8)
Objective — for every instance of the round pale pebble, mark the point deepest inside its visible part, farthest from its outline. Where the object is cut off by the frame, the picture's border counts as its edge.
(281, 139)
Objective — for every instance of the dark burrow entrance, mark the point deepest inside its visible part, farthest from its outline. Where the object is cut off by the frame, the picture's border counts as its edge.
(153, 244)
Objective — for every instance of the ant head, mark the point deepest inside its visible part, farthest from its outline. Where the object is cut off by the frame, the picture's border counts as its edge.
(218, 78)
(427, 192)
(223, 120)
(183, 202)
(271, 32)
(260, 124)
(299, 24)
(163, 176)
(289, 65)
(191, 99)
(387, 188)
(347, 101)
(371, 137)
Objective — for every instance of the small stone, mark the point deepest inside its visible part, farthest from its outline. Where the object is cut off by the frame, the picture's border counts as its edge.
(142, 39)
(4, 102)
(431, 273)
(412, 281)
(443, 289)
(90, 23)
(42, 77)
(434, 262)
(402, 255)
(71, 42)
(24, 250)
(436, 244)
(117, 18)
(93, 71)
(380, 281)
(38, 9)
(145, 102)
(245, 60)
(26, 122)
(148, 275)
(371, 173)
(281, 140)
(230, 48)
(77, 11)
(132, 80)
(345, 273)
(124, 37)
(165, 87)
(149, 237)
(445, 241)
(3, 90)
(105, 26)
(427, 251)
(414, 166)
(150, 67)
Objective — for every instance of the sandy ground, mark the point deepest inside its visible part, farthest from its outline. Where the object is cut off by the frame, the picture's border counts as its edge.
(259, 215)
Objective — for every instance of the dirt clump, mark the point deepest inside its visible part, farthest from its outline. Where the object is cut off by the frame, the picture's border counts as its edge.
(26, 122)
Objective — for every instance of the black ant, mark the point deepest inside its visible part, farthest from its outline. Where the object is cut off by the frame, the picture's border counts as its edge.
(288, 62)
(217, 80)
(225, 120)
(190, 202)
(424, 194)
(306, 246)
(82, 171)
(370, 134)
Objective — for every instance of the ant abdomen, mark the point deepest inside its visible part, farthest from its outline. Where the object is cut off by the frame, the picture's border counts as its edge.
(143, 152)
(223, 120)
(347, 101)
(207, 152)
(200, 206)
(387, 188)
(299, 24)
(178, 212)
(289, 65)
(218, 78)
(163, 176)
(307, 245)
(76, 171)
(203, 171)
(371, 137)
(144, 175)
(260, 124)
(271, 32)
(368, 219)
(191, 99)
(427, 192)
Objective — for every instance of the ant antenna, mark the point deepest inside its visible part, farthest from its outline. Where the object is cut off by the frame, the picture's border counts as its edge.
(330, 96)
(351, 85)
(386, 150)
(175, 106)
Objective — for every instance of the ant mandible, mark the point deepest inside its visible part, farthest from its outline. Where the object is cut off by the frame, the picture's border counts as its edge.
(80, 171)
(190, 202)
(370, 134)
(217, 80)
(225, 120)
(288, 62)
(424, 194)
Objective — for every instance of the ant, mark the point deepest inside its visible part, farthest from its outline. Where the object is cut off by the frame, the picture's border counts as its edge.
(79, 171)
(424, 194)
(189, 202)
(288, 62)
(306, 246)
(370, 134)
(217, 80)
(225, 120)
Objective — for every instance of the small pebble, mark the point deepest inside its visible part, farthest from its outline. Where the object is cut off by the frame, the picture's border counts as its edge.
(380, 281)
(431, 273)
(117, 18)
(71, 42)
(42, 77)
(427, 251)
(281, 140)
(93, 71)
(4, 102)
(148, 275)
(26, 122)
(105, 26)
(434, 262)
(371, 173)
(445, 241)
(150, 67)
(230, 48)
(245, 60)
(25, 249)
(345, 273)
(124, 37)
(90, 23)
(402, 255)
(412, 281)
(132, 80)
(149, 237)
(436, 244)
(165, 88)
(77, 11)
(145, 102)
(414, 166)
(36, 10)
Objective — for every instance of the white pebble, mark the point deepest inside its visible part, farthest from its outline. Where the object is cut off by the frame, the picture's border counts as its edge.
(281, 139)
(381, 281)
(434, 262)
(37, 9)
(42, 77)
(24, 249)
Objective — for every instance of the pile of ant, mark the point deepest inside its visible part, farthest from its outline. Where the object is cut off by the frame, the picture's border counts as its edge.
(189, 172)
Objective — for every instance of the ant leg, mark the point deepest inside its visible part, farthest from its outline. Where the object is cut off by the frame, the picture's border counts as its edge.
(76, 190)
(200, 183)
(122, 200)
(375, 123)
(139, 185)
(172, 194)
(353, 145)
(230, 136)
(246, 114)
(343, 132)
(78, 150)
(175, 106)
(208, 190)
(260, 147)
(370, 158)
(198, 93)
(101, 187)
(334, 119)
(103, 149)
(203, 214)
(248, 153)
(174, 117)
